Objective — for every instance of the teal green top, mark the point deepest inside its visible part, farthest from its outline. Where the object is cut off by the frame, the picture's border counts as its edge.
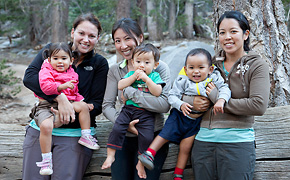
(226, 72)
(226, 135)
(67, 132)
(141, 85)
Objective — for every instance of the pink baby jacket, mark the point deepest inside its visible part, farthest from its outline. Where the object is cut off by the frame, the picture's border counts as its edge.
(50, 79)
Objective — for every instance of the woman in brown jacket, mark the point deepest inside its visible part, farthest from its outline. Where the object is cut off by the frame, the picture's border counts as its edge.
(225, 145)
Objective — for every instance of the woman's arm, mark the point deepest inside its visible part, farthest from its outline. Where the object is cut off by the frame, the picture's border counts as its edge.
(146, 100)
(31, 77)
(98, 86)
(199, 103)
(111, 93)
(259, 89)
(65, 109)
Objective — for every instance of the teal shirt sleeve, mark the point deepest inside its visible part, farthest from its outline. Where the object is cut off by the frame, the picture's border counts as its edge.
(128, 74)
(155, 76)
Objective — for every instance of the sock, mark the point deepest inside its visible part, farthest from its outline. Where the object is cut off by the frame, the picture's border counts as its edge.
(179, 172)
(151, 151)
(46, 155)
(86, 132)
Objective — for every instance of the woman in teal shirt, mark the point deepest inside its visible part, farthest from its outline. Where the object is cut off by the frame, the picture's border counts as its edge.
(224, 148)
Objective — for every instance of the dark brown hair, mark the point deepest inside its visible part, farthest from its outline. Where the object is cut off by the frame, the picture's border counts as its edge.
(129, 26)
(243, 22)
(146, 48)
(56, 47)
(197, 51)
(88, 17)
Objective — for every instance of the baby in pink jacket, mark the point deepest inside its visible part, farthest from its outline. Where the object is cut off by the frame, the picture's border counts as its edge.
(55, 77)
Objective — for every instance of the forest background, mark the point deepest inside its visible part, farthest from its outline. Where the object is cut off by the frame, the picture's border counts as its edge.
(34, 23)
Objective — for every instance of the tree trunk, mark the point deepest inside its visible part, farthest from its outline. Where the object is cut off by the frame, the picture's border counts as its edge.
(123, 9)
(152, 23)
(269, 36)
(172, 18)
(189, 19)
(59, 20)
(142, 19)
(39, 21)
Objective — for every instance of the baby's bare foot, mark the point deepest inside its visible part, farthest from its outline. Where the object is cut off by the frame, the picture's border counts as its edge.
(141, 170)
(108, 162)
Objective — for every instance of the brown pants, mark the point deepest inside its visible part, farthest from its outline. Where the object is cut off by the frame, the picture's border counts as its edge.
(41, 111)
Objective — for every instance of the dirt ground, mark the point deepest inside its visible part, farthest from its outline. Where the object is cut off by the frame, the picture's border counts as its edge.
(16, 110)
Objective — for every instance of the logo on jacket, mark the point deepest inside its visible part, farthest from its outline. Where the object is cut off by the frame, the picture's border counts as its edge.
(88, 68)
(242, 68)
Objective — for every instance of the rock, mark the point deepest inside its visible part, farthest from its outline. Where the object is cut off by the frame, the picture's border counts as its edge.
(174, 56)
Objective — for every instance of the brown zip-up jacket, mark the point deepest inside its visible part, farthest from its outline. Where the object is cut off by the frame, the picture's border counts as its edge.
(249, 82)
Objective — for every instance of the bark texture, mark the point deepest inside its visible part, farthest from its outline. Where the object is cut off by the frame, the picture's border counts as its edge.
(39, 21)
(269, 37)
(152, 21)
(59, 20)
(189, 19)
(143, 10)
(172, 18)
(123, 9)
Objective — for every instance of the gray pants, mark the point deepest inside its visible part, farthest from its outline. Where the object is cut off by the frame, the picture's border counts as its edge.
(223, 161)
(69, 158)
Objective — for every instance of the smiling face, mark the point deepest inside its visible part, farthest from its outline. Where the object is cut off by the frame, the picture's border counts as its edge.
(197, 68)
(85, 36)
(145, 62)
(232, 37)
(125, 44)
(60, 61)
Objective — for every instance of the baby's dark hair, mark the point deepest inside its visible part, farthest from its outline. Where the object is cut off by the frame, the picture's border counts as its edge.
(197, 51)
(56, 47)
(146, 48)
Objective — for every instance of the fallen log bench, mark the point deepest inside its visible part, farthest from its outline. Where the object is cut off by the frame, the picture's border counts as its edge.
(272, 149)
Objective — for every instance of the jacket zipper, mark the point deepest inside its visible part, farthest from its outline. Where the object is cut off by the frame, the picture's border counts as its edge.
(210, 118)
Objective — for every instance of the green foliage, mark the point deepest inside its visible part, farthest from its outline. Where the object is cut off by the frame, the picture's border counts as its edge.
(10, 12)
(104, 10)
(7, 78)
(136, 11)
(180, 21)
(286, 4)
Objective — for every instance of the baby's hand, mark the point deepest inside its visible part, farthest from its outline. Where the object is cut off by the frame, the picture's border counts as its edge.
(142, 75)
(209, 88)
(136, 73)
(219, 106)
(186, 108)
(69, 84)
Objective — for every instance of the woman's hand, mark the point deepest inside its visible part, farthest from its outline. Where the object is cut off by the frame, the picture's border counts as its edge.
(132, 127)
(201, 103)
(210, 87)
(65, 109)
(56, 122)
(91, 106)
(123, 98)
